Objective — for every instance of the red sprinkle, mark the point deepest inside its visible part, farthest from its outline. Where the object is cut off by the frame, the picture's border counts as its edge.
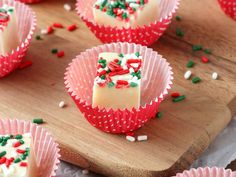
(175, 95)
(102, 84)
(204, 59)
(16, 144)
(122, 72)
(8, 163)
(133, 61)
(25, 64)
(72, 28)
(50, 30)
(23, 164)
(11, 159)
(3, 160)
(57, 25)
(20, 151)
(60, 54)
(122, 82)
(102, 73)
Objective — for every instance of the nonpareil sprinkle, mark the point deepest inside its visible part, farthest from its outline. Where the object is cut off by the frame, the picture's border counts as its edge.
(207, 51)
(175, 94)
(72, 28)
(178, 99)
(38, 121)
(159, 115)
(204, 59)
(57, 25)
(179, 32)
(197, 47)
(190, 64)
(178, 18)
(196, 80)
(54, 51)
(38, 37)
(60, 54)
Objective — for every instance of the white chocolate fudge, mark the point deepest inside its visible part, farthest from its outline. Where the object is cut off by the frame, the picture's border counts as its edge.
(17, 158)
(118, 81)
(9, 38)
(125, 13)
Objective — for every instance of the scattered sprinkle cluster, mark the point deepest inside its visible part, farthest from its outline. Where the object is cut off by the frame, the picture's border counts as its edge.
(132, 138)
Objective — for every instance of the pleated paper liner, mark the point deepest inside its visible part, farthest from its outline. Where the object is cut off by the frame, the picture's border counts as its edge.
(26, 24)
(46, 149)
(229, 7)
(145, 35)
(156, 81)
(207, 172)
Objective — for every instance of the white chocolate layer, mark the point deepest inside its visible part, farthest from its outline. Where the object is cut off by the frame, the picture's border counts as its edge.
(9, 38)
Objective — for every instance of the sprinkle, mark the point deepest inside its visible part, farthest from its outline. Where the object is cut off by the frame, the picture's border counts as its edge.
(8, 163)
(85, 172)
(204, 59)
(57, 25)
(21, 151)
(133, 84)
(16, 144)
(3, 153)
(23, 164)
(121, 55)
(72, 28)
(44, 31)
(159, 115)
(60, 54)
(207, 51)
(137, 54)
(25, 64)
(179, 32)
(54, 51)
(67, 7)
(142, 138)
(187, 75)
(111, 84)
(17, 160)
(214, 75)
(178, 18)
(38, 121)
(62, 104)
(130, 138)
(196, 80)
(50, 30)
(122, 82)
(18, 137)
(38, 37)
(178, 99)
(3, 160)
(175, 95)
(197, 47)
(190, 64)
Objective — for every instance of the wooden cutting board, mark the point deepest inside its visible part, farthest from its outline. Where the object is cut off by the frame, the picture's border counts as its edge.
(177, 139)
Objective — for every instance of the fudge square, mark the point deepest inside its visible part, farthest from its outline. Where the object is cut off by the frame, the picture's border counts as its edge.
(118, 81)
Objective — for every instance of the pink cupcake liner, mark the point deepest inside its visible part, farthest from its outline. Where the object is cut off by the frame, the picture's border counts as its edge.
(144, 35)
(156, 82)
(207, 172)
(30, 1)
(46, 150)
(229, 7)
(27, 25)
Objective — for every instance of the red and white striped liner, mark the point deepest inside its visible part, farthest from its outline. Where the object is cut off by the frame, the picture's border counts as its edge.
(30, 1)
(207, 172)
(157, 79)
(229, 7)
(144, 35)
(27, 25)
(46, 149)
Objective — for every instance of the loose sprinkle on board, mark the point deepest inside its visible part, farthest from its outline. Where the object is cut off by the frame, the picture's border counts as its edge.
(197, 47)
(62, 104)
(60, 54)
(38, 121)
(204, 59)
(214, 76)
(57, 25)
(38, 37)
(130, 138)
(159, 115)
(190, 64)
(67, 7)
(44, 31)
(178, 99)
(25, 64)
(54, 51)
(142, 138)
(50, 30)
(207, 51)
(179, 32)
(195, 80)
(187, 75)
(178, 18)
(72, 28)
(175, 94)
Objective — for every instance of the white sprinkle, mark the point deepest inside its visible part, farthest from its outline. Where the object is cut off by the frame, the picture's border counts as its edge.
(44, 31)
(130, 138)
(67, 7)
(62, 104)
(134, 5)
(142, 138)
(187, 75)
(129, 1)
(85, 172)
(215, 75)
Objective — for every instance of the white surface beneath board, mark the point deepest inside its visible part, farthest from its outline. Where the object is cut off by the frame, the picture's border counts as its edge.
(220, 153)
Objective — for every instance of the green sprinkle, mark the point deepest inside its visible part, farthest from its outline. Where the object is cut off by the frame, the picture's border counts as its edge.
(190, 64)
(38, 121)
(102, 61)
(178, 18)
(142, 2)
(23, 157)
(108, 71)
(178, 99)
(133, 84)
(27, 149)
(111, 84)
(121, 55)
(38, 37)
(119, 62)
(137, 54)
(4, 143)
(104, 3)
(103, 65)
(21, 141)
(207, 51)
(103, 77)
(18, 137)
(54, 51)
(3, 153)
(179, 32)
(17, 160)
(196, 80)
(197, 47)
(11, 10)
(124, 15)
(1, 139)
(159, 115)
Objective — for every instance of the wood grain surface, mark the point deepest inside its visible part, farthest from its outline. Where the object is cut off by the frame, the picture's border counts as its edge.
(177, 139)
